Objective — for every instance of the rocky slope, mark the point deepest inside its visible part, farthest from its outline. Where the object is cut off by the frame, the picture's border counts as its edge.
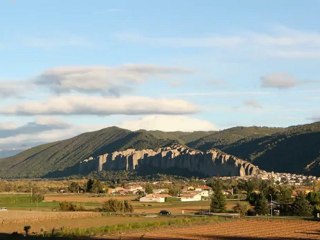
(293, 149)
(210, 163)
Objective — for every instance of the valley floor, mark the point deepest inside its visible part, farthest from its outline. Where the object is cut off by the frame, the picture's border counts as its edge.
(236, 229)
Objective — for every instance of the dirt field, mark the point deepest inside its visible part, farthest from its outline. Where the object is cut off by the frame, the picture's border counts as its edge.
(237, 230)
(14, 221)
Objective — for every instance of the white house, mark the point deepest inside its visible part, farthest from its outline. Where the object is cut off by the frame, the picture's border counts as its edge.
(205, 191)
(190, 197)
(154, 198)
(134, 189)
(160, 190)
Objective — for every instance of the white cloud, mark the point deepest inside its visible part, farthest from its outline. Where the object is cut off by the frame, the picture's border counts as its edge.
(279, 80)
(280, 42)
(94, 105)
(36, 127)
(102, 79)
(168, 123)
(252, 104)
(16, 137)
(315, 118)
(13, 88)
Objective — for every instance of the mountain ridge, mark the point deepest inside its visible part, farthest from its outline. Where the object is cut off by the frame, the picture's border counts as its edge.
(293, 149)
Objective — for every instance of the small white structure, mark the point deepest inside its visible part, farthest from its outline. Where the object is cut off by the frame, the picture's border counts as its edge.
(190, 197)
(154, 198)
(134, 189)
(160, 190)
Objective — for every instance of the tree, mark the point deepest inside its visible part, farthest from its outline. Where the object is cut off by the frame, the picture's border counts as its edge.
(242, 208)
(285, 193)
(37, 197)
(218, 200)
(113, 205)
(174, 191)
(94, 186)
(149, 188)
(316, 210)
(314, 198)
(301, 206)
(26, 229)
(261, 205)
(74, 187)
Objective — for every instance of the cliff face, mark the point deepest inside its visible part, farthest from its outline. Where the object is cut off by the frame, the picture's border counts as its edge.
(209, 163)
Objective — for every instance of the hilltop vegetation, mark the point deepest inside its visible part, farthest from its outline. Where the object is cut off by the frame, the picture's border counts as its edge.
(294, 149)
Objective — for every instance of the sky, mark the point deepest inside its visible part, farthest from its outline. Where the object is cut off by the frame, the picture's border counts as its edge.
(69, 67)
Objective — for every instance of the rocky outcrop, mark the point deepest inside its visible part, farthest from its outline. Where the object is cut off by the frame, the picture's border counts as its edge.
(209, 163)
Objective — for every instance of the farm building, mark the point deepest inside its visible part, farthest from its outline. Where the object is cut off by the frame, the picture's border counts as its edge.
(154, 198)
(190, 197)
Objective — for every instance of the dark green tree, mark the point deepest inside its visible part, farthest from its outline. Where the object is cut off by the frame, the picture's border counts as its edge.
(314, 198)
(94, 186)
(261, 205)
(301, 206)
(113, 205)
(241, 208)
(218, 200)
(149, 188)
(285, 193)
(26, 229)
(174, 191)
(74, 187)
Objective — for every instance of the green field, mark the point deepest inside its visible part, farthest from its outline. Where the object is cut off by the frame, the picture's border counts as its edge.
(24, 201)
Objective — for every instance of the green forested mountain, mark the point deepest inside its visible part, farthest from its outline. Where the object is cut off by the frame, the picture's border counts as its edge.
(293, 149)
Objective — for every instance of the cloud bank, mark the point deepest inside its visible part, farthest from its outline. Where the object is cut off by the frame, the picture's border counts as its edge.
(279, 81)
(98, 105)
(102, 79)
(168, 123)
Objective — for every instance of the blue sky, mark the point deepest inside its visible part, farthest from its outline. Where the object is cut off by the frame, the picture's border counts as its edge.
(74, 66)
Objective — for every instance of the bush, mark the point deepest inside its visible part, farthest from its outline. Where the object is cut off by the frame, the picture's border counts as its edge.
(113, 205)
(316, 210)
(68, 206)
(261, 205)
(301, 206)
(242, 208)
(251, 212)
(36, 198)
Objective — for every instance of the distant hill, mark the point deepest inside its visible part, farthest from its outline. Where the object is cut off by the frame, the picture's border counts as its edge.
(294, 149)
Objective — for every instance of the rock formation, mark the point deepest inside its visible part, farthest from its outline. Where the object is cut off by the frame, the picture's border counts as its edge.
(209, 163)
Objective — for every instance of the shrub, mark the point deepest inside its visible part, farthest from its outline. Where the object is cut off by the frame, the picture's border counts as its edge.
(37, 197)
(261, 205)
(242, 208)
(301, 206)
(113, 205)
(68, 206)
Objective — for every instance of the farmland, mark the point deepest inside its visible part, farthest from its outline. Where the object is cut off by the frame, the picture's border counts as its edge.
(236, 229)
(42, 211)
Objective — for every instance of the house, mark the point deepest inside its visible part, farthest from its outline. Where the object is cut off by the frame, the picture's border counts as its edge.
(118, 190)
(134, 189)
(160, 190)
(154, 198)
(205, 191)
(190, 197)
